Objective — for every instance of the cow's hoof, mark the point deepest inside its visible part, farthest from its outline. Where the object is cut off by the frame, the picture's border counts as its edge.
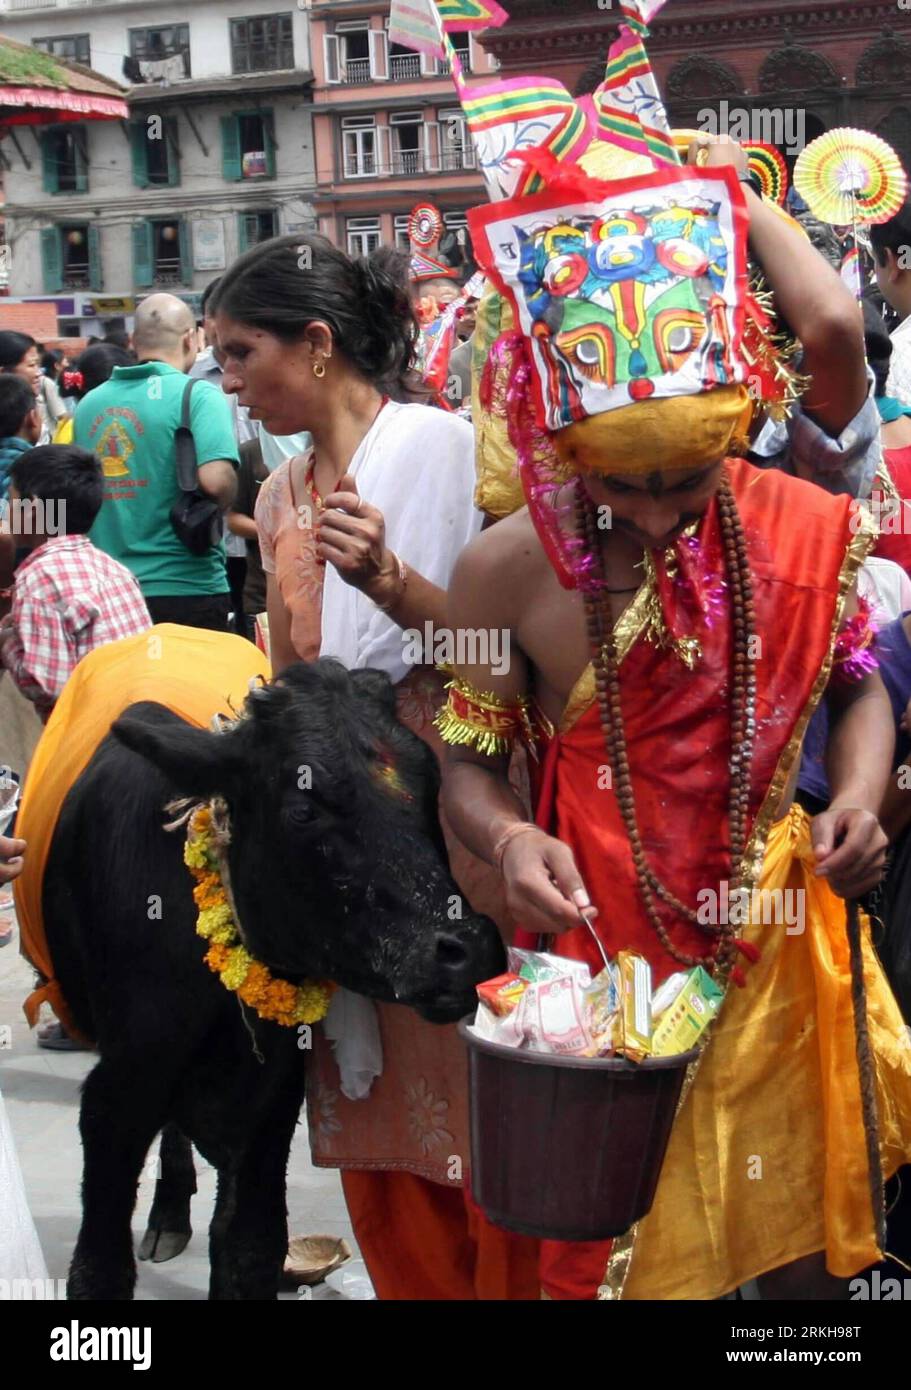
(159, 1246)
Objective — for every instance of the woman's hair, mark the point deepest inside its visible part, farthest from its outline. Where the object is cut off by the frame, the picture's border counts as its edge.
(93, 366)
(283, 285)
(50, 361)
(13, 347)
(878, 345)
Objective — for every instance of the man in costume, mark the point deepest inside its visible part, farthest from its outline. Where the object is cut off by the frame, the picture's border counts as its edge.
(676, 615)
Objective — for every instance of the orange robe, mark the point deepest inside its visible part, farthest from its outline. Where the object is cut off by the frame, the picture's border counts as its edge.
(766, 1161)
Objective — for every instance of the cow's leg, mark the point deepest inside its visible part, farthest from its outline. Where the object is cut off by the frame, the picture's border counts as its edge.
(248, 1238)
(118, 1120)
(168, 1231)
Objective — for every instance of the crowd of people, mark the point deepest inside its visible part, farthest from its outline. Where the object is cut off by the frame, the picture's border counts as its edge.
(333, 510)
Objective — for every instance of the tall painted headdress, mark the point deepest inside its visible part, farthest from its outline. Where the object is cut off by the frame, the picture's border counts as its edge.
(635, 344)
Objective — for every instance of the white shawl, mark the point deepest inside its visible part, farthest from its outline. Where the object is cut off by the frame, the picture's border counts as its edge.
(416, 464)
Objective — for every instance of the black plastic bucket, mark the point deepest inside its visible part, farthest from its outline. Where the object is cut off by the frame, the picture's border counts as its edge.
(567, 1148)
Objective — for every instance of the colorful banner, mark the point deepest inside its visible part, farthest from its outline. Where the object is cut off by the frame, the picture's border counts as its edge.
(420, 24)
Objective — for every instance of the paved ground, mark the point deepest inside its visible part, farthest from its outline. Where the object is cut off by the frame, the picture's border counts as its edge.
(41, 1091)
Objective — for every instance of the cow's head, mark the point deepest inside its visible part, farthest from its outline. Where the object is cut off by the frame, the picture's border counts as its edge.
(338, 867)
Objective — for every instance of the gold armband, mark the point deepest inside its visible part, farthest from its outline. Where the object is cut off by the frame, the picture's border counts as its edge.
(481, 720)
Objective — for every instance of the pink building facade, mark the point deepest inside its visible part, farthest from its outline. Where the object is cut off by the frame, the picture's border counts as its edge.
(387, 128)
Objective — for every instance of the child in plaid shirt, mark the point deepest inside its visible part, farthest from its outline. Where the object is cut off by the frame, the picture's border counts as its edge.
(68, 597)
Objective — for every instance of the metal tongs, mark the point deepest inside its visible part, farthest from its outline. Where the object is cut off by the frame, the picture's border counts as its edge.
(543, 941)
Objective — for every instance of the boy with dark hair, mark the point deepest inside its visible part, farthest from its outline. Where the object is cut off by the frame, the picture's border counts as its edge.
(69, 597)
(891, 243)
(20, 423)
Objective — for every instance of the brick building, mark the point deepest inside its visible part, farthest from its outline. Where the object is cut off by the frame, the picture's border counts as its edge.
(840, 62)
(387, 128)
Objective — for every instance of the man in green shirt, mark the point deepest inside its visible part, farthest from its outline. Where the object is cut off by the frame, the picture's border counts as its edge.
(130, 422)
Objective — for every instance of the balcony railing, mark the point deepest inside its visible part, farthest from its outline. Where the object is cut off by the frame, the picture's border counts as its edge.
(77, 278)
(444, 67)
(404, 65)
(357, 70)
(358, 168)
(167, 273)
(407, 162)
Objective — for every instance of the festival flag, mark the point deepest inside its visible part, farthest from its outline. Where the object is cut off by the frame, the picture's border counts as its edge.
(514, 113)
(630, 110)
(416, 24)
(638, 14)
(423, 24)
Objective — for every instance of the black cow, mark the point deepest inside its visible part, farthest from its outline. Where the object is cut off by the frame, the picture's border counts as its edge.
(338, 871)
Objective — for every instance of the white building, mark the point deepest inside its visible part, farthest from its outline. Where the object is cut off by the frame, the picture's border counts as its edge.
(217, 155)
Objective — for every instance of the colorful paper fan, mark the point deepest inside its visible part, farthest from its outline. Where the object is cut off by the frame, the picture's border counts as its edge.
(848, 176)
(770, 165)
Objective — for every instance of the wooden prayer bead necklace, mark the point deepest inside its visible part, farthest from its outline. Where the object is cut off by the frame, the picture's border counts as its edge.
(743, 725)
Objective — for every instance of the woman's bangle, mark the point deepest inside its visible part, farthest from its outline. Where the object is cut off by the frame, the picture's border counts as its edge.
(518, 827)
(400, 567)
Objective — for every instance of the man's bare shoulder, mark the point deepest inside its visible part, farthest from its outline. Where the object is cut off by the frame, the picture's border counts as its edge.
(499, 565)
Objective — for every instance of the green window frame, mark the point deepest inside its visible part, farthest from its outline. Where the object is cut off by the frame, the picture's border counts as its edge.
(143, 236)
(139, 149)
(51, 163)
(244, 219)
(53, 259)
(231, 149)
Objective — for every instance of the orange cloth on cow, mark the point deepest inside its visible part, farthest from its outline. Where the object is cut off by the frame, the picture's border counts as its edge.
(425, 1240)
(767, 1160)
(195, 673)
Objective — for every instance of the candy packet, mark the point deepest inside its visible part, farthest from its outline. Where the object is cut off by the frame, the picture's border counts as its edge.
(635, 1004)
(502, 994)
(667, 992)
(552, 1017)
(681, 1025)
(538, 966)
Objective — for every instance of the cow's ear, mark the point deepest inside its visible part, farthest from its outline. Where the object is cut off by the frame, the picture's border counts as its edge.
(195, 761)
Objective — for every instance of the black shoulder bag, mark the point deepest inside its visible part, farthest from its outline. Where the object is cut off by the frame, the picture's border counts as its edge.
(196, 518)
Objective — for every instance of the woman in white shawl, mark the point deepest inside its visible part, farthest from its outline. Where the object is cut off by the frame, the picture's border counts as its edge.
(359, 537)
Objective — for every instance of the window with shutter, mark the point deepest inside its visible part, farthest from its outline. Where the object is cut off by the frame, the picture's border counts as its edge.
(173, 147)
(186, 255)
(139, 152)
(51, 260)
(96, 273)
(81, 156)
(49, 161)
(143, 264)
(331, 58)
(230, 149)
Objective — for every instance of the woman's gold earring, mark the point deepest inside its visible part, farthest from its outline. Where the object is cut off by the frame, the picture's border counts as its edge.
(319, 369)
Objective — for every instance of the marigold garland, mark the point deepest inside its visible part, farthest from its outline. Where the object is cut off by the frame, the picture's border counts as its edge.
(276, 1000)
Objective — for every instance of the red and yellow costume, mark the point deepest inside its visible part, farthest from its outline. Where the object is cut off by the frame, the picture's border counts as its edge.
(775, 1108)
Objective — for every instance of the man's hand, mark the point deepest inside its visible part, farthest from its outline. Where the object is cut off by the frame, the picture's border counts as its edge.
(716, 151)
(850, 847)
(352, 537)
(11, 852)
(544, 889)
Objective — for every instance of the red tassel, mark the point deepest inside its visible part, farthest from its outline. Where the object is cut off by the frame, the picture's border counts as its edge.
(747, 949)
(561, 176)
(737, 977)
